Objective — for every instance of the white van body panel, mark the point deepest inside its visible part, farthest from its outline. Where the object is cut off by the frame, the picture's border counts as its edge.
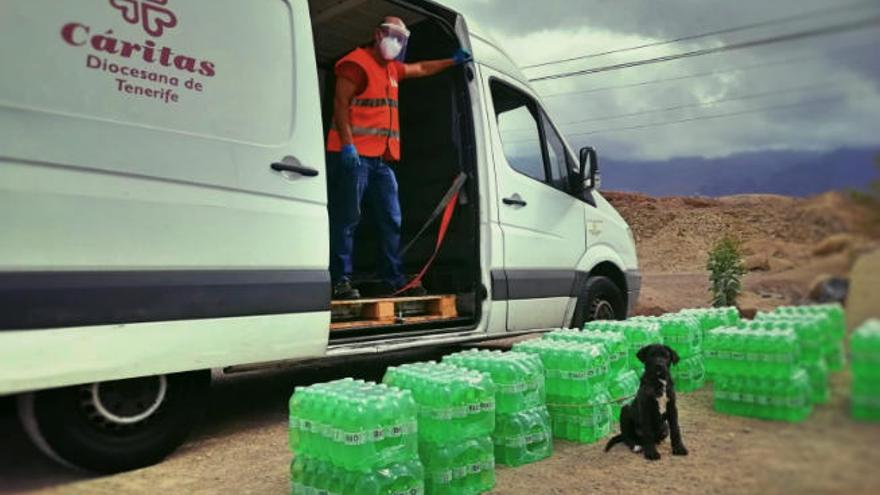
(124, 183)
(69, 356)
(76, 149)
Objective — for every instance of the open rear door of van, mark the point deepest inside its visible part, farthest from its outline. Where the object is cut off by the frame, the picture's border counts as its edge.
(163, 187)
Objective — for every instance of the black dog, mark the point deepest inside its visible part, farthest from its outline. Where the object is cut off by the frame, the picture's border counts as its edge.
(642, 426)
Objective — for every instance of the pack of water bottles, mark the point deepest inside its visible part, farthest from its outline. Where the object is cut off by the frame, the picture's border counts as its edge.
(682, 332)
(456, 417)
(352, 436)
(780, 399)
(522, 424)
(710, 318)
(831, 320)
(576, 376)
(814, 334)
(638, 331)
(752, 350)
(757, 372)
(623, 382)
(865, 355)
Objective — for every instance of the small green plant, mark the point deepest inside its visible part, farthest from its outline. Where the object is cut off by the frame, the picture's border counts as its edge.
(725, 271)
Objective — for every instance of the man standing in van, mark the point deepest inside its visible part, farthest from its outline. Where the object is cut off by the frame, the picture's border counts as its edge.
(364, 139)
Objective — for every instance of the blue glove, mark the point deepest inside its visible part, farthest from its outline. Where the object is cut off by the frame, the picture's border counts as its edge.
(350, 157)
(461, 56)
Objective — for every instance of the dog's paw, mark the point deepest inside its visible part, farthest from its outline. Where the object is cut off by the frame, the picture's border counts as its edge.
(679, 450)
(652, 455)
(637, 448)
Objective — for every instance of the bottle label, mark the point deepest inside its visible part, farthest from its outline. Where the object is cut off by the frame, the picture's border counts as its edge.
(354, 438)
(487, 406)
(378, 434)
(474, 408)
(534, 438)
(411, 427)
(442, 477)
(475, 468)
(459, 472)
(459, 412)
(510, 441)
(293, 422)
(512, 388)
(335, 434)
(577, 375)
(394, 431)
(411, 491)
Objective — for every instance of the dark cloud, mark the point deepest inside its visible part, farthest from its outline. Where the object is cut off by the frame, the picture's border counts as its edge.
(843, 65)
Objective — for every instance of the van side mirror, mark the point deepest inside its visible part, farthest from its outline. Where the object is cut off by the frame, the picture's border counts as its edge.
(589, 170)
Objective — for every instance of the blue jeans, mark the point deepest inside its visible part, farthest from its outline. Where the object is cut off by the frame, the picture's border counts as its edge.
(374, 186)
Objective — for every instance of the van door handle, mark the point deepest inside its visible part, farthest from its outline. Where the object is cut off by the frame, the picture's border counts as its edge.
(291, 164)
(514, 200)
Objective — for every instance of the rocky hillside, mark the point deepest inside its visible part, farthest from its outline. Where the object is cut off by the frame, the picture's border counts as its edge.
(788, 242)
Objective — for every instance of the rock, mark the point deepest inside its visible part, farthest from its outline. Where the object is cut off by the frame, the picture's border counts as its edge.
(863, 300)
(780, 264)
(757, 262)
(747, 313)
(834, 244)
(826, 288)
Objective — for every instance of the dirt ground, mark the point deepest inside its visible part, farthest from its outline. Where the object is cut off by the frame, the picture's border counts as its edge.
(241, 448)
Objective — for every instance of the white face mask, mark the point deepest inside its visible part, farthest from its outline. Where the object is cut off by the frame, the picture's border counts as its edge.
(390, 47)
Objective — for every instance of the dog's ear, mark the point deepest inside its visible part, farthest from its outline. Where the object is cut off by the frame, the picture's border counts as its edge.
(672, 354)
(643, 353)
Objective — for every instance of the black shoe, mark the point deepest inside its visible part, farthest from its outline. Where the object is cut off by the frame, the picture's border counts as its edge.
(344, 291)
(416, 291)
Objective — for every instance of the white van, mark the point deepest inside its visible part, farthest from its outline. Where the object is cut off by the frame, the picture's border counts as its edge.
(164, 198)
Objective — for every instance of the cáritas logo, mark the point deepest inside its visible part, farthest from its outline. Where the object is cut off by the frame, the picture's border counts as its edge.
(155, 19)
(152, 15)
(146, 68)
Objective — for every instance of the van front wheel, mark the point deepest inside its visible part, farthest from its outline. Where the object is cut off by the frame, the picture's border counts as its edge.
(118, 425)
(600, 299)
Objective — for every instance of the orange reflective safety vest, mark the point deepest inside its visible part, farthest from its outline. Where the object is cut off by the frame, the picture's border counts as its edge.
(373, 114)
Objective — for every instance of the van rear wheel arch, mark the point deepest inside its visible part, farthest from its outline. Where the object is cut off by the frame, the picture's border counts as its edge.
(115, 426)
(600, 297)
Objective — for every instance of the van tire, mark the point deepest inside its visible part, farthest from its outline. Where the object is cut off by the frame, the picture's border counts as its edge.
(144, 419)
(600, 299)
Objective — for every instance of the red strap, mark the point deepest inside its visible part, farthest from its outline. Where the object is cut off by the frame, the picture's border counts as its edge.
(444, 225)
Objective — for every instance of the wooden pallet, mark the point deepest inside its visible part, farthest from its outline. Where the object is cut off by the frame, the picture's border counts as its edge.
(367, 313)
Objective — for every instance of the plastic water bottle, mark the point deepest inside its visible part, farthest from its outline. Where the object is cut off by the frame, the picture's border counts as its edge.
(865, 349)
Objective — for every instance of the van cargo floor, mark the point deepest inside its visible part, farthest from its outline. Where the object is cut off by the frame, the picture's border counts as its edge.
(370, 313)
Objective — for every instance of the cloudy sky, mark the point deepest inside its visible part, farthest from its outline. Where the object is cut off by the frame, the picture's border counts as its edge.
(822, 92)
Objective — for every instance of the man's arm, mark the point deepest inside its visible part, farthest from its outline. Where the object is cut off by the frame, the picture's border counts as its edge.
(431, 67)
(427, 68)
(345, 91)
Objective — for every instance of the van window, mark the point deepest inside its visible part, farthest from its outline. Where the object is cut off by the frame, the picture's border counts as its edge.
(519, 131)
(561, 164)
